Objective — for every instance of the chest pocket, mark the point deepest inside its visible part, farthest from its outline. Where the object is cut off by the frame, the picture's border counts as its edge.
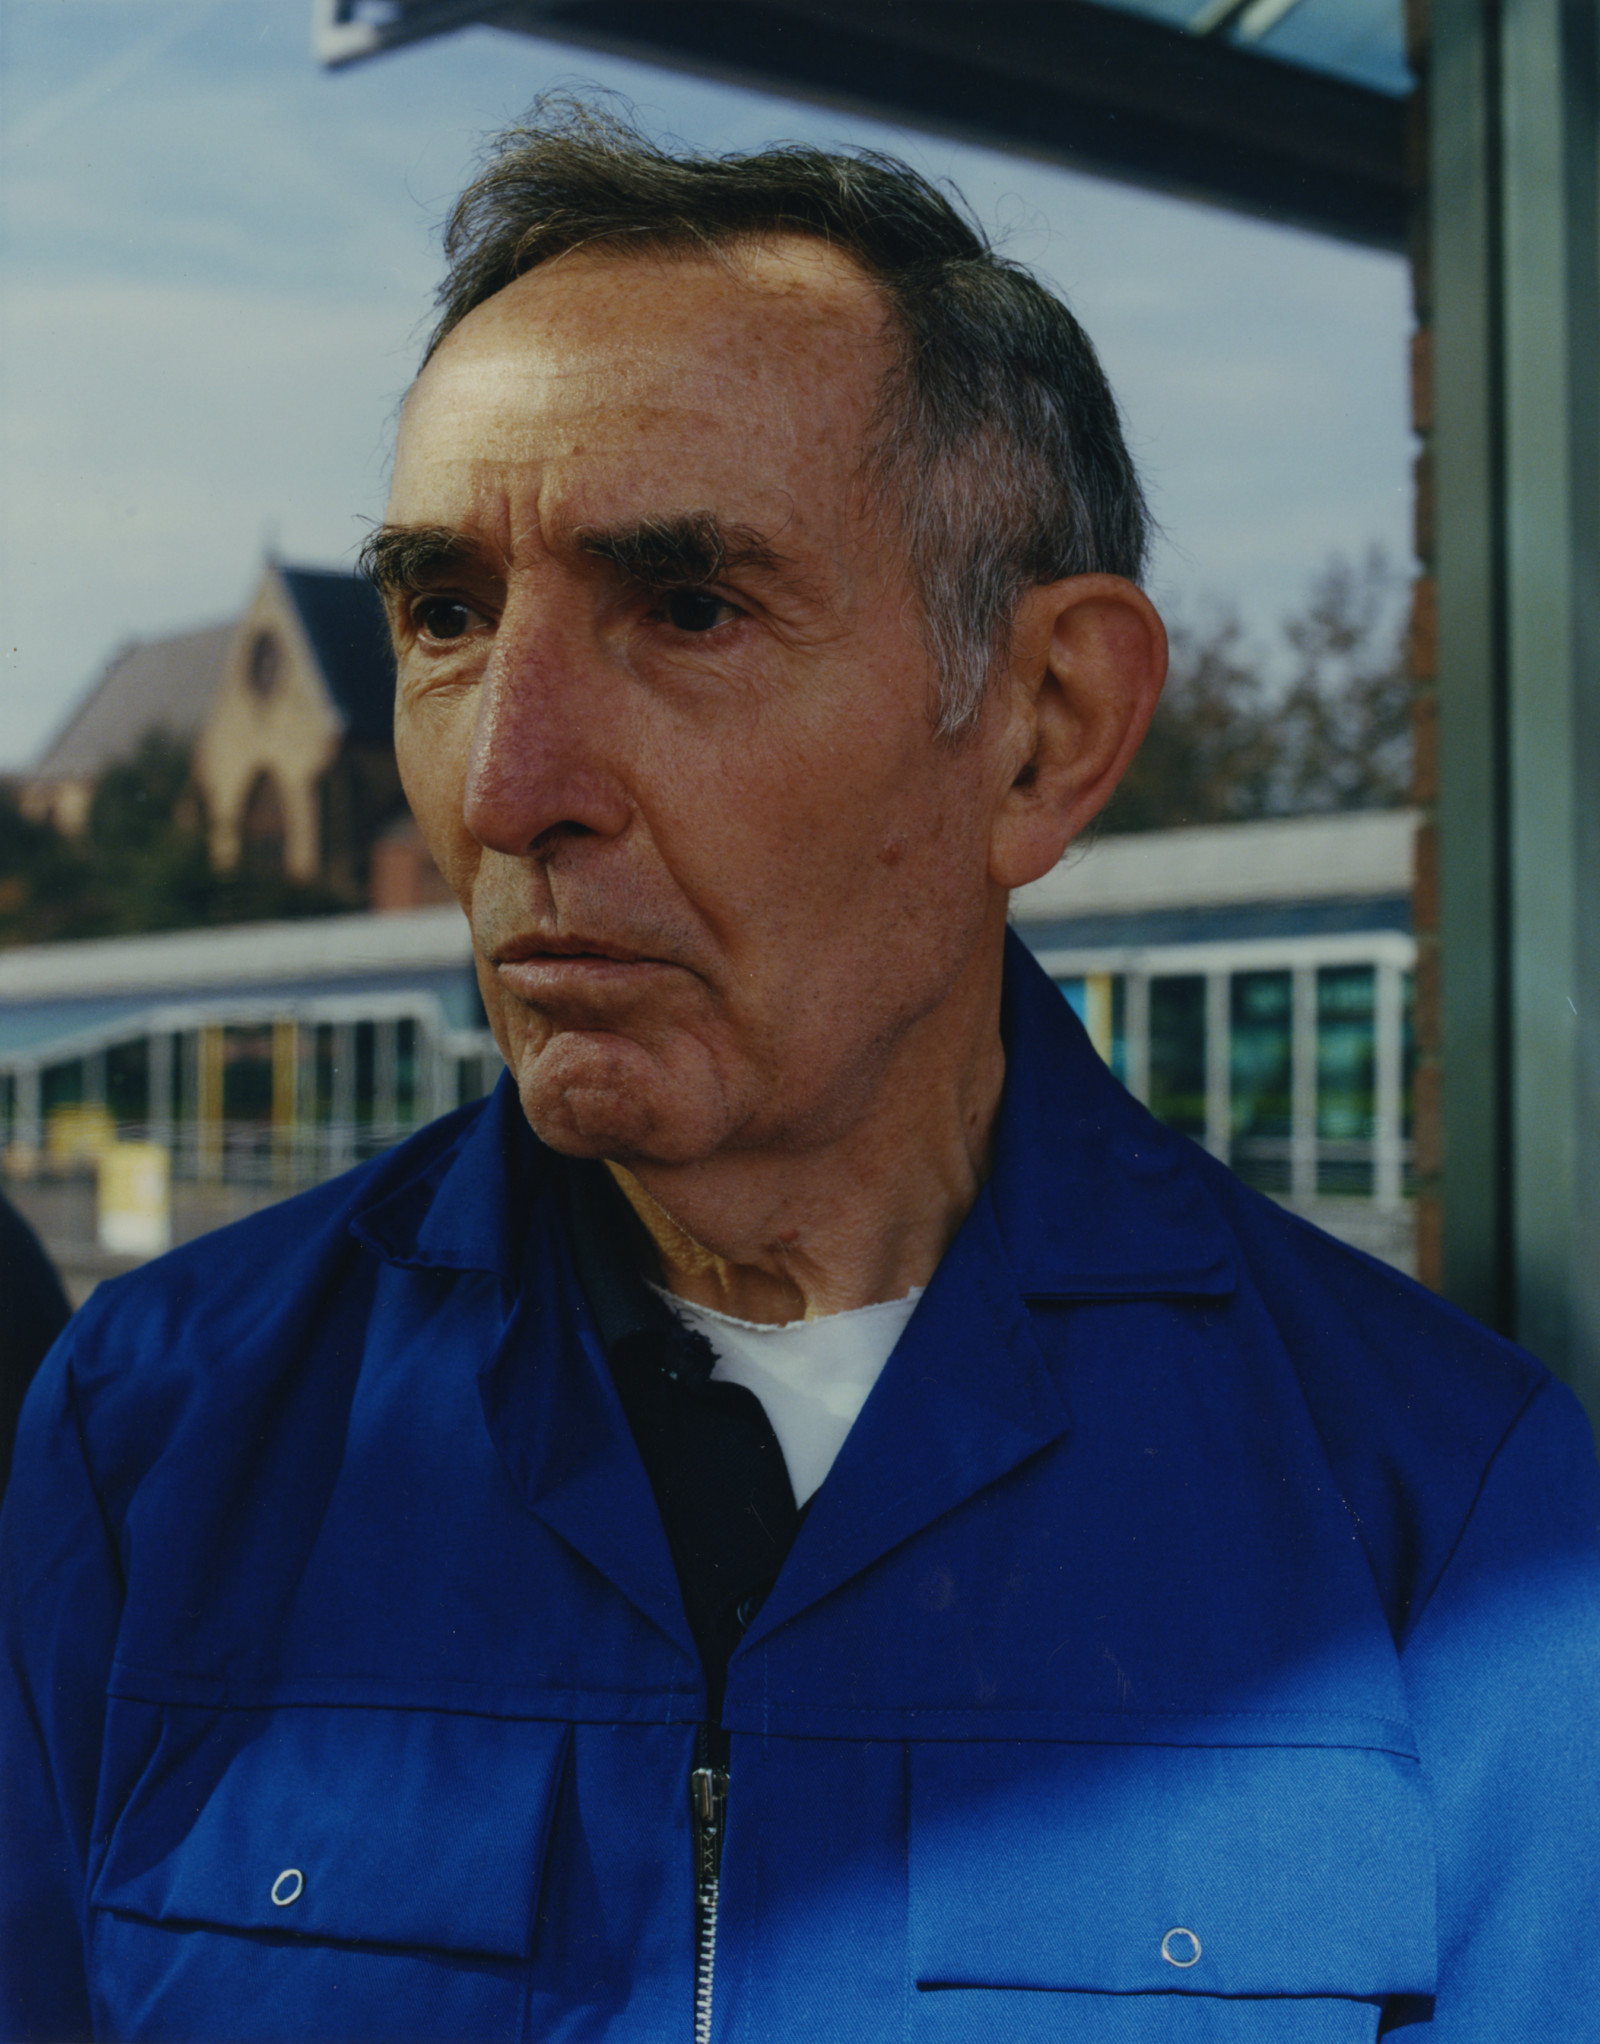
(318, 1873)
(1218, 1893)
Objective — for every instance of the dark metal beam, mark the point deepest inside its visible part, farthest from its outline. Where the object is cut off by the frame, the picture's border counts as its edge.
(1515, 243)
(1069, 81)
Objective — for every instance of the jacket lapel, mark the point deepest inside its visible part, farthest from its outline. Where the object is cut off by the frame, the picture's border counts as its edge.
(488, 1204)
(560, 1430)
(965, 1398)
(1094, 1198)
(466, 1208)
(1091, 1198)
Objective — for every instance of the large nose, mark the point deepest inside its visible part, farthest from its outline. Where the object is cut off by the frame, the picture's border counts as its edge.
(547, 742)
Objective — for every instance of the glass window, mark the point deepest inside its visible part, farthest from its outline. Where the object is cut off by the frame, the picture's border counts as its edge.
(1099, 1001)
(1408, 1072)
(128, 1081)
(171, 1048)
(1178, 1052)
(405, 1070)
(1346, 1074)
(326, 1055)
(1261, 1076)
(247, 1074)
(1118, 1060)
(472, 1081)
(61, 1086)
(366, 1070)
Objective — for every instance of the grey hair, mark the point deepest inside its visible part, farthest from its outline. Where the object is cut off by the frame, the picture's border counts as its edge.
(997, 440)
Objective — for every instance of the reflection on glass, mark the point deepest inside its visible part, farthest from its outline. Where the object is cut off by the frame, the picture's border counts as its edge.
(1408, 1051)
(1118, 1058)
(405, 1070)
(1099, 1001)
(247, 1074)
(1346, 1074)
(366, 1040)
(128, 1080)
(1178, 1052)
(1261, 1067)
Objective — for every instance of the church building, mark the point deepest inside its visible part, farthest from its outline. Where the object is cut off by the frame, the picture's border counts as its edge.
(287, 712)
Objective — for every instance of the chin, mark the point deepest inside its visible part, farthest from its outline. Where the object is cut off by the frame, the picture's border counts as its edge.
(617, 1100)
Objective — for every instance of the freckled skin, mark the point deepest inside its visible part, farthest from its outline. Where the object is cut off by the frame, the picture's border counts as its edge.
(795, 1062)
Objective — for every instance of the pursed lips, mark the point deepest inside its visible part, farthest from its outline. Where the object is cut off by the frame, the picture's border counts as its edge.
(537, 965)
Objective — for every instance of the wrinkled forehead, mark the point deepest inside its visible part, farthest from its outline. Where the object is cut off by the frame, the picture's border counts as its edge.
(769, 359)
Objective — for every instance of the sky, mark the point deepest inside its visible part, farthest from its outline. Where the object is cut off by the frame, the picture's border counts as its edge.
(217, 265)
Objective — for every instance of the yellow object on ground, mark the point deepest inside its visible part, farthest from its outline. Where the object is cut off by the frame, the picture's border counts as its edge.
(74, 1133)
(135, 1203)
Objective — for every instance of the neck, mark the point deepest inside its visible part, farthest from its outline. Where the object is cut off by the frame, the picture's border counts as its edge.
(855, 1220)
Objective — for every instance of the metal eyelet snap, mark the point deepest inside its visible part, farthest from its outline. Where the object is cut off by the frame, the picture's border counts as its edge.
(1177, 1942)
(290, 1886)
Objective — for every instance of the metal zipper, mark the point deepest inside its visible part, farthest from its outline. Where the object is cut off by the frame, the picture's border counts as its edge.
(708, 1803)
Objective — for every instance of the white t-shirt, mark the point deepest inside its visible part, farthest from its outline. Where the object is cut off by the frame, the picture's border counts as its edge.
(812, 1376)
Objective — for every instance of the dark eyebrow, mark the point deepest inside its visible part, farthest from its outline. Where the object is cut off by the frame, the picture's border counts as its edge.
(679, 549)
(672, 550)
(400, 557)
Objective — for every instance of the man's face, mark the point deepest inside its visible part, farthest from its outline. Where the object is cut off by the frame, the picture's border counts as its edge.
(664, 710)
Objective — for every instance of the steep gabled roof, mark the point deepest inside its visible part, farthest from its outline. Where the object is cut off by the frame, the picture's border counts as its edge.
(158, 683)
(344, 620)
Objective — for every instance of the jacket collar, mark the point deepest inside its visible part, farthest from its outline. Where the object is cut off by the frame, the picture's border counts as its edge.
(1093, 1197)
(467, 1206)
(966, 1398)
(1090, 1199)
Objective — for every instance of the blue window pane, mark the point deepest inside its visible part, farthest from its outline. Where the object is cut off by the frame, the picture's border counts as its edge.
(1261, 1073)
(1346, 1077)
(1178, 1052)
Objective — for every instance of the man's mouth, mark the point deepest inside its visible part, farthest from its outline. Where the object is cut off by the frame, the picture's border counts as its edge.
(545, 969)
(535, 949)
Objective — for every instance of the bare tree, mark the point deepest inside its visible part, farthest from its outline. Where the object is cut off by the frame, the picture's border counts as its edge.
(1227, 745)
(1345, 722)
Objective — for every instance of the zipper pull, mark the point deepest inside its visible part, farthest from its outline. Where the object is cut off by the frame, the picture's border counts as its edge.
(708, 1796)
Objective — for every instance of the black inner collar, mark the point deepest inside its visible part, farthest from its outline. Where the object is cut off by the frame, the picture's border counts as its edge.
(713, 1460)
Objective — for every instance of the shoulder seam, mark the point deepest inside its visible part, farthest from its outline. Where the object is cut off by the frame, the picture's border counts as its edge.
(1414, 1616)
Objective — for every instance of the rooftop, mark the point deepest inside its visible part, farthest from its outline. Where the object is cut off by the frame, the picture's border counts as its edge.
(344, 619)
(248, 954)
(157, 684)
(167, 684)
(1287, 859)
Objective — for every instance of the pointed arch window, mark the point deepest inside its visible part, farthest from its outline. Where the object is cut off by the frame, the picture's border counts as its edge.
(262, 827)
(264, 665)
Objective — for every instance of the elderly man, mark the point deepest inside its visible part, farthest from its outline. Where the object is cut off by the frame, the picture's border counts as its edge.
(807, 1514)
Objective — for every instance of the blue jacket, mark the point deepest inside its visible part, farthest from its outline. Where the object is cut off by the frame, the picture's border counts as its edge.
(1196, 1639)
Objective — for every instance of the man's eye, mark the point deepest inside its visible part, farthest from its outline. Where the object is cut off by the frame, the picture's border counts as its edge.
(443, 617)
(696, 610)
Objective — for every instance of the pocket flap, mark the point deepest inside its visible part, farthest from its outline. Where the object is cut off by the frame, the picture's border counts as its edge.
(1148, 1869)
(388, 1827)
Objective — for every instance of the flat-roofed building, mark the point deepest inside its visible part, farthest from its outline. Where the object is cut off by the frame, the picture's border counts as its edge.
(275, 1053)
(1250, 982)
(1253, 984)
